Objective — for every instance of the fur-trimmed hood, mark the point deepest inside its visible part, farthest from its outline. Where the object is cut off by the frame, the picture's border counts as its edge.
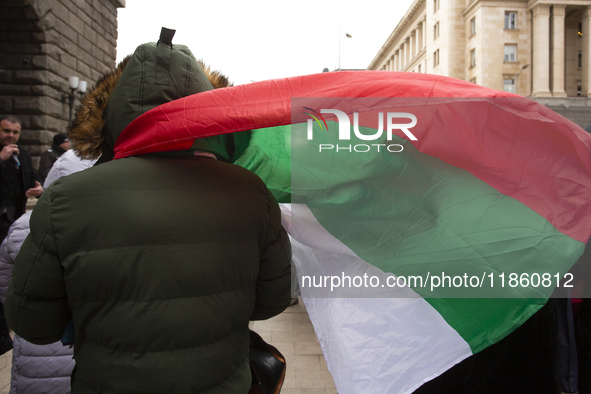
(153, 75)
(86, 132)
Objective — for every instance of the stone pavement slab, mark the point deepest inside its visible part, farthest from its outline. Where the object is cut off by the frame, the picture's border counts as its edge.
(5, 366)
(293, 334)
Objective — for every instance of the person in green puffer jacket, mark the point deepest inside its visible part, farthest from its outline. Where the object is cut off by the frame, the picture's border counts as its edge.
(160, 260)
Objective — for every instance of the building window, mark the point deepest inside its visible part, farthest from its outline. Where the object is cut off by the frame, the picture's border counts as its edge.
(579, 88)
(509, 85)
(435, 6)
(435, 31)
(472, 26)
(472, 58)
(510, 52)
(473, 80)
(580, 60)
(510, 20)
(580, 32)
(436, 58)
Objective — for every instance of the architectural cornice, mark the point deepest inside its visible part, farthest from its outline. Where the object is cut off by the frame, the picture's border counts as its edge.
(559, 9)
(470, 7)
(491, 3)
(419, 57)
(541, 9)
(533, 3)
(398, 30)
(118, 3)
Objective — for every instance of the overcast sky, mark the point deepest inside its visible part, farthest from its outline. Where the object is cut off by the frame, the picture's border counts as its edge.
(259, 40)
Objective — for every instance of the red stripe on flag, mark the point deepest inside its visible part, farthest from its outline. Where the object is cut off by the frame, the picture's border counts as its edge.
(517, 147)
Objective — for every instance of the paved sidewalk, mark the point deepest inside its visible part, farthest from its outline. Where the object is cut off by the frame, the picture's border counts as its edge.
(5, 366)
(291, 332)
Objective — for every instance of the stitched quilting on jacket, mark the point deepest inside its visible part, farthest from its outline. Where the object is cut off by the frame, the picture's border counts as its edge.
(36, 369)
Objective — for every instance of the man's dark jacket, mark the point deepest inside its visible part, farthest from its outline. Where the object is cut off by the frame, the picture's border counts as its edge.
(28, 178)
(47, 160)
(160, 260)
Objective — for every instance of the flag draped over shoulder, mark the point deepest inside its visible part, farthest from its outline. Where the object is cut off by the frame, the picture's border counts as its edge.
(492, 184)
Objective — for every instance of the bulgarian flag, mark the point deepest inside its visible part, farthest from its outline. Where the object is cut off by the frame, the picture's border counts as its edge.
(430, 217)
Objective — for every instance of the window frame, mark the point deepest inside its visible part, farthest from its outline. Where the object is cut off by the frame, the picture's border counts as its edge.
(506, 55)
(508, 21)
(509, 87)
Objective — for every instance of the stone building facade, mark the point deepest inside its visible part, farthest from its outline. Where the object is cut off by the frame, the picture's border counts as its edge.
(42, 44)
(534, 48)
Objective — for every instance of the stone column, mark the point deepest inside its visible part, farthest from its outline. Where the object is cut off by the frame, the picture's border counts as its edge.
(558, 54)
(586, 53)
(425, 33)
(406, 51)
(541, 48)
(402, 56)
(419, 37)
(411, 46)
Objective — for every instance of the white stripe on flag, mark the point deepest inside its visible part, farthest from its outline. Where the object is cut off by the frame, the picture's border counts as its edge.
(371, 345)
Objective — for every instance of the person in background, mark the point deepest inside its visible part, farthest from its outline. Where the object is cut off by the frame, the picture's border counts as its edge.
(37, 369)
(18, 179)
(67, 164)
(161, 260)
(61, 144)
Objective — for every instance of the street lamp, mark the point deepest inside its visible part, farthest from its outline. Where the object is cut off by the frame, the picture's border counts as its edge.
(516, 75)
(75, 84)
(346, 35)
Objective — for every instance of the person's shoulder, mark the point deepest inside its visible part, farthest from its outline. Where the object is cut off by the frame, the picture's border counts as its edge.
(23, 154)
(20, 228)
(238, 173)
(218, 173)
(22, 150)
(46, 154)
(66, 164)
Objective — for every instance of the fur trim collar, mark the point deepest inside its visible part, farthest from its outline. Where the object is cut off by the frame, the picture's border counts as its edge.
(216, 78)
(86, 132)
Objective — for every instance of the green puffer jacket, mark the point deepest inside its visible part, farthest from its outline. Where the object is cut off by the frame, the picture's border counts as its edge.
(160, 260)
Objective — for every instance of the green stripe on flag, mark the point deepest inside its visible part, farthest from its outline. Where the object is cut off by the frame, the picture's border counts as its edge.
(269, 156)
